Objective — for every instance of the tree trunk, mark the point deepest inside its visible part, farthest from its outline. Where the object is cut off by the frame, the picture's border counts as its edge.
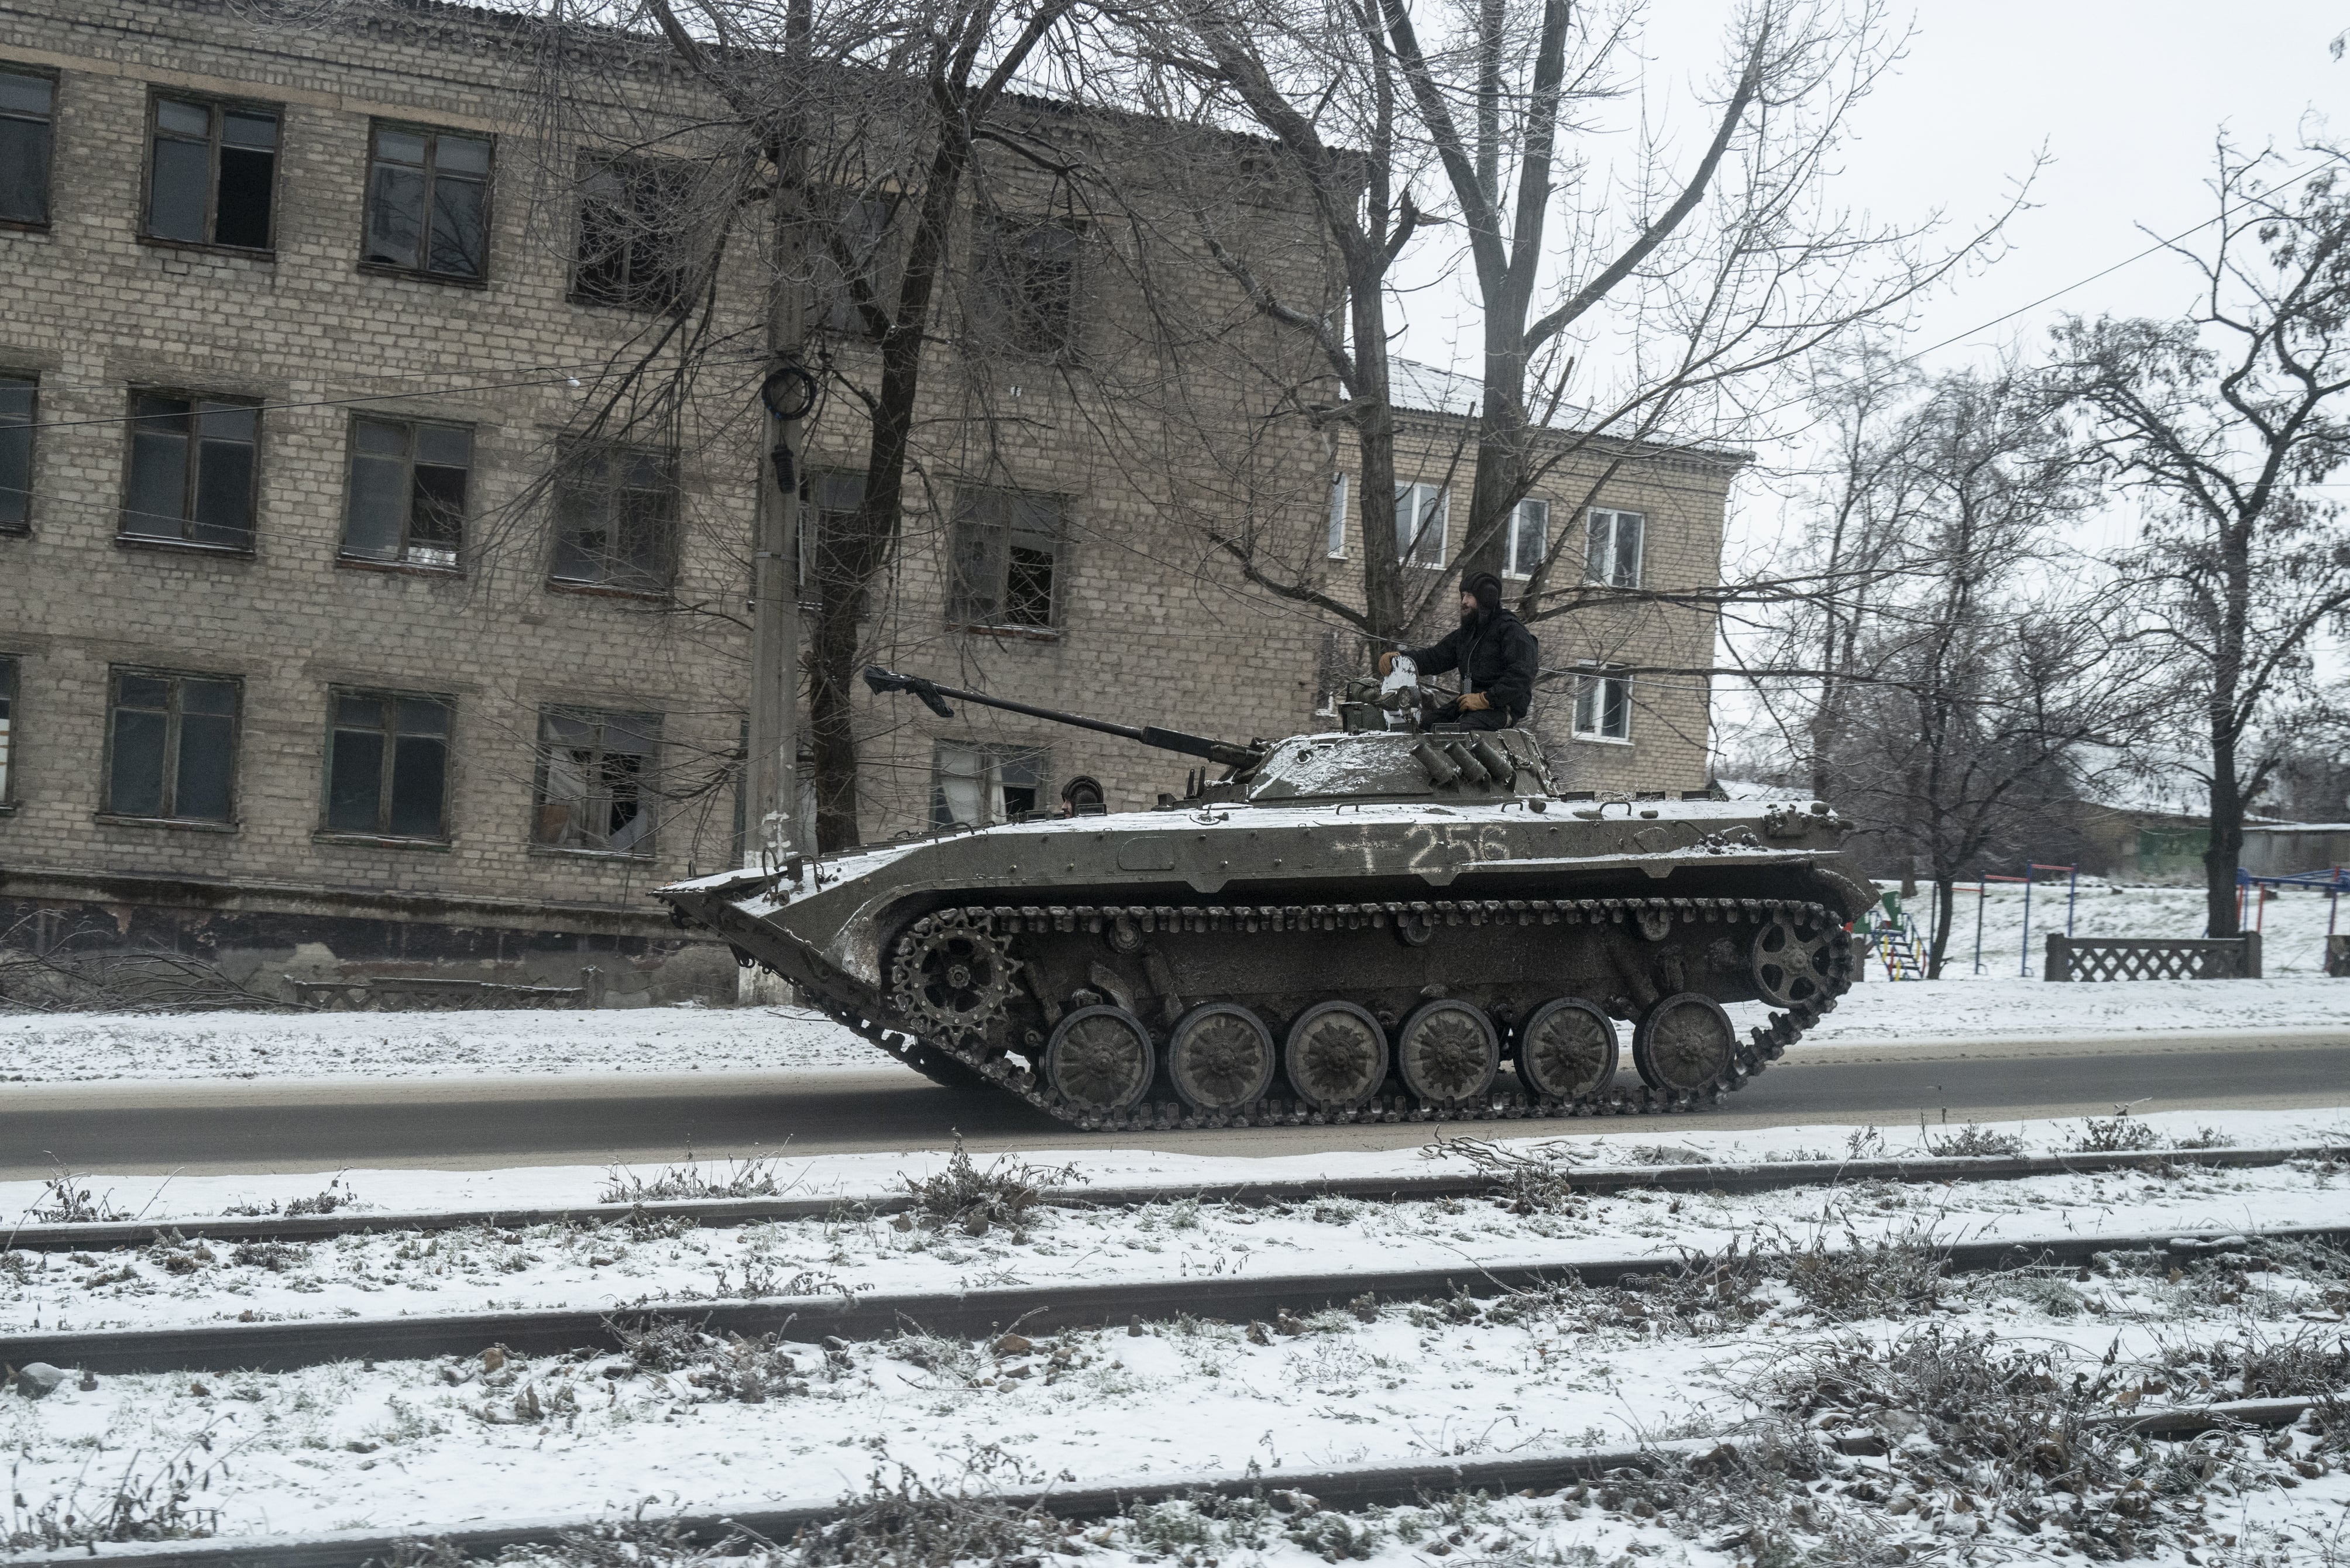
(1945, 898)
(1375, 437)
(848, 562)
(2226, 850)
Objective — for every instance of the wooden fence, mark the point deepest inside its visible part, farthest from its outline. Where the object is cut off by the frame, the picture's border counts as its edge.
(2142, 958)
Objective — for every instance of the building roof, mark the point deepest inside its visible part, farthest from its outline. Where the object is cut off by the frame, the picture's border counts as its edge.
(1416, 387)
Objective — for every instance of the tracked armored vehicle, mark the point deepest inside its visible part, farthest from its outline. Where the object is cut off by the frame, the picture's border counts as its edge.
(1375, 924)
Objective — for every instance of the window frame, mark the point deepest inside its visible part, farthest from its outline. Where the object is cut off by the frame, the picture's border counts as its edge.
(404, 562)
(424, 270)
(1334, 525)
(1591, 679)
(106, 812)
(836, 311)
(219, 108)
(1510, 565)
(12, 729)
(678, 296)
(993, 755)
(386, 767)
(30, 425)
(1407, 512)
(191, 476)
(1003, 320)
(1593, 573)
(56, 79)
(569, 476)
(1011, 530)
(645, 847)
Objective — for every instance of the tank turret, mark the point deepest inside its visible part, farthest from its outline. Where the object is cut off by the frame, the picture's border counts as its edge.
(1373, 923)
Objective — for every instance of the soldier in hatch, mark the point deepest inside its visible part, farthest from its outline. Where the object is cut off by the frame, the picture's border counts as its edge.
(1496, 655)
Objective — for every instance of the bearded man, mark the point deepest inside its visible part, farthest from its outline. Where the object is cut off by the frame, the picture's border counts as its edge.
(1496, 655)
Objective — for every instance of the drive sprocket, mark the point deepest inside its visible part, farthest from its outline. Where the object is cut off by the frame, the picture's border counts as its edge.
(953, 976)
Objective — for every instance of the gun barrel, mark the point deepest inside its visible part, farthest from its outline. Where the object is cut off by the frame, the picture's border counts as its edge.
(931, 693)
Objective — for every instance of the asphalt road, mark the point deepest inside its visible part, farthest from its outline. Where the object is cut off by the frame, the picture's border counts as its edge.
(212, 1126)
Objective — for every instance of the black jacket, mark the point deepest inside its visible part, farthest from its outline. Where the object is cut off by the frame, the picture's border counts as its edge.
(1495, 654)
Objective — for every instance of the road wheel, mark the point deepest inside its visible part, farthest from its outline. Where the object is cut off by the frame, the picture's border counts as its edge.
(1100, 1059)
(1791, 964)
(1684, 1044)
(1567, 1050)
(1448, 1054)
(1220, 1058)
(1336, 1055)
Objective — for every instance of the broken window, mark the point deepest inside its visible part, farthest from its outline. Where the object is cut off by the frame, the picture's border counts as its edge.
(616, 518)
(1529, 540)
(1027, 286)
(1613, 556)
(1421, 514)
(407, 499)
(388, 764)
(851, 261)
(634, 219)
(1603, 704)
(596, 781)
(171, 746)
(7, 729)
(428, 201)
(212, 173)
(1007, 546)
(26, 100)
(191, 470)
(975, 785)
(17, 395)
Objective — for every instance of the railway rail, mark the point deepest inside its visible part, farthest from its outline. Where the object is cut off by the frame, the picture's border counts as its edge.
(1758, 1176)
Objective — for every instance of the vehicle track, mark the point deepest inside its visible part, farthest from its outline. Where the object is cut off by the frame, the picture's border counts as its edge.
(1774, 1175)
(283, 1346)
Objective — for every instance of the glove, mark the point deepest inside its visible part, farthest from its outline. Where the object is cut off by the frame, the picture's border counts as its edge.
(1386, 662)
(1474, 703)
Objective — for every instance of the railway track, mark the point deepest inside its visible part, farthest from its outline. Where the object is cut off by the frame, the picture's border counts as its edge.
(969, 1315)
(1772, 1176)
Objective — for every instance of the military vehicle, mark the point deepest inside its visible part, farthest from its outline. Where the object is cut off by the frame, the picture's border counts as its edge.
(1371, 924)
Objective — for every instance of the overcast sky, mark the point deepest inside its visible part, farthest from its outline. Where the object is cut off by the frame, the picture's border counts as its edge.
(2125, 98)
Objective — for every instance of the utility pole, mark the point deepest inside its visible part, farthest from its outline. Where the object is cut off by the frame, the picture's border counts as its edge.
(771, 774)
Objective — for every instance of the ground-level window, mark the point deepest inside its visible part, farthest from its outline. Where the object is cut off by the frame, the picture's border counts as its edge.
(1529, 538)
(1613, 557)
(16, 400)
(192, 469)
(1422, 513)
(1007, 551)
(171, 746)
(388, 764)
(7, 729)
(975, 785)
(407, 499)
(594, 788)
(1603, 705)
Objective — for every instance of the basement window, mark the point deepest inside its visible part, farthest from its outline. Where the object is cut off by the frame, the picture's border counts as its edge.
(1006, 561)
(594, 786)
(975, 786)
(213, 173)
(18, 395)
(388, 765)
(191, 470)
(406, 504)
(171, 747)
(27, 102)
(428, 203)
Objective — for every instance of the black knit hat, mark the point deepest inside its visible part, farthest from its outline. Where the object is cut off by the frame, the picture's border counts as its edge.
(1485, 588)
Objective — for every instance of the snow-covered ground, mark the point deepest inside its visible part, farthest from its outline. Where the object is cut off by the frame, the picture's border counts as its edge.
(2292, 924)
(87, 1048)
(701, 1426)
(624, 1262)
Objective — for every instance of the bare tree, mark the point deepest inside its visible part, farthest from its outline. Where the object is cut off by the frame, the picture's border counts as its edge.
(2227, 423)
